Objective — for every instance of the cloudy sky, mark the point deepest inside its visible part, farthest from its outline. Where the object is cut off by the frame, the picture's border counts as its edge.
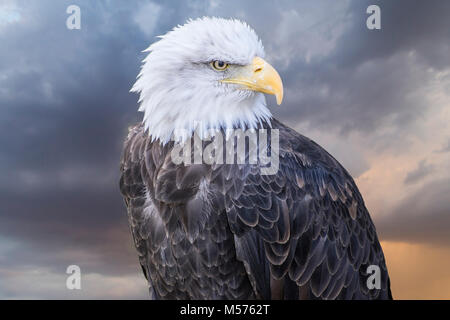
(378, 100)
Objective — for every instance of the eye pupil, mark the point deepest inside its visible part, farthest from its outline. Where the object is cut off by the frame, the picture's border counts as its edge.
(219, 65)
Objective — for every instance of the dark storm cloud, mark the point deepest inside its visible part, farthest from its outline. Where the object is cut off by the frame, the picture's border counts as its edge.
(422, 170)
(65, 105)
(423, 216)
(65, 110)
(372, 78)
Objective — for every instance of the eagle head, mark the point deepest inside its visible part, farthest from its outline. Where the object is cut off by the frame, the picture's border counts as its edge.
(206, 75)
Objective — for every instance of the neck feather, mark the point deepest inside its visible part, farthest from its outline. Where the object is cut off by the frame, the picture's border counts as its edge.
(175, 120)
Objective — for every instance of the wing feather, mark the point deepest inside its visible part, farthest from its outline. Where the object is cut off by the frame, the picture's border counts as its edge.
(311, 222)
(224, 230)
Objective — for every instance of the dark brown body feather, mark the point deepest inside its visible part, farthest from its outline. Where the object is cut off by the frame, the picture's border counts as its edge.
(228, 232)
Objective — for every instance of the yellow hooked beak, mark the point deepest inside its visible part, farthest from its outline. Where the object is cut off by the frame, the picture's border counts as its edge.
(259, 76)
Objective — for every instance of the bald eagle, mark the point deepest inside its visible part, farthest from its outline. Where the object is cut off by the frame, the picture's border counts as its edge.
(227, 230)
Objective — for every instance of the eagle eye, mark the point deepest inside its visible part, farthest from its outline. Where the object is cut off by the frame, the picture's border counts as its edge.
(219, 65)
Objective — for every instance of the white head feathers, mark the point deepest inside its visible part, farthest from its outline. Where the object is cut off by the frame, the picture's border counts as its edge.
(180, 91)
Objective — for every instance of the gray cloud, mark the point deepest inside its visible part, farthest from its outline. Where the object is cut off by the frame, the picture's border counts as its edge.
(371, 78)
(423, 170)
(423, 216)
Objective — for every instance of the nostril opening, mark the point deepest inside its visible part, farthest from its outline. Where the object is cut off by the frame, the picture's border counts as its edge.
(258, 70)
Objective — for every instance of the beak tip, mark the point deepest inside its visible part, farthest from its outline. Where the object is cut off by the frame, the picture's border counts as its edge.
(279, 98)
